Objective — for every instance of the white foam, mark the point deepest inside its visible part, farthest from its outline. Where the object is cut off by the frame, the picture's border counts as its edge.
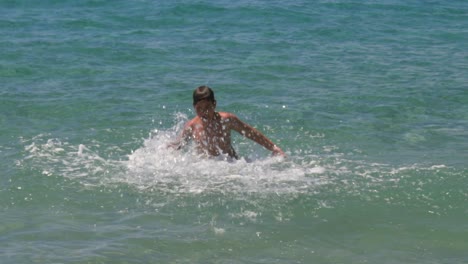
(154, 164)
(56, 158)
(154, 167)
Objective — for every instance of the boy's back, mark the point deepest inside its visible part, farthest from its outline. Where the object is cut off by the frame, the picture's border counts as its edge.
(212, 130)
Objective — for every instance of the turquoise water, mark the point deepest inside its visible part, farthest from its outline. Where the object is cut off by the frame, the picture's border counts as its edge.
(368, 98)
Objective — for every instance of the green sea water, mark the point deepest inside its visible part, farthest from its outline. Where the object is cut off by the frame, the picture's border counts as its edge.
(369, 99)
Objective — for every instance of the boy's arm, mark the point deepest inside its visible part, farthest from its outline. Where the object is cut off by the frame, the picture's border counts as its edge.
(183, 138)
(253, 134)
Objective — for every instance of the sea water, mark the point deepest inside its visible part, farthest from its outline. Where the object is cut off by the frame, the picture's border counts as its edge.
(369, 100)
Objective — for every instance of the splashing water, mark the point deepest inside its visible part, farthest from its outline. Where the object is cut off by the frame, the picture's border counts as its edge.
(156, 170)
(155, 166)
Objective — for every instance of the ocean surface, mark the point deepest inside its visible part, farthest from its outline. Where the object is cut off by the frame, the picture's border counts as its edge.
(369, 99)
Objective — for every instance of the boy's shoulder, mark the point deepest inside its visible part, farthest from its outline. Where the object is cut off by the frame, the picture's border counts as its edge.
(229, 119)
(196, 120)
(227, 115)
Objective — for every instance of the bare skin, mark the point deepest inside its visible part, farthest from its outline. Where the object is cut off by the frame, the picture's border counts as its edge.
(212, 131)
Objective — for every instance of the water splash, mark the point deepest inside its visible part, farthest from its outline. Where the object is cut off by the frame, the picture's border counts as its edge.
(54, 157)
(185, 171)
(154, 170)
(155, 166)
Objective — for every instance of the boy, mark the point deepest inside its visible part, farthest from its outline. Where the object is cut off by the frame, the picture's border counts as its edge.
(212, 130)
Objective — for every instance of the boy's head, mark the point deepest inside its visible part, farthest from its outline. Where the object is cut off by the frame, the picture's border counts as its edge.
(203, 93)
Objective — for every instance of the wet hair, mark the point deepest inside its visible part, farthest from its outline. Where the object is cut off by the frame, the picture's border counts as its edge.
(201, 93)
